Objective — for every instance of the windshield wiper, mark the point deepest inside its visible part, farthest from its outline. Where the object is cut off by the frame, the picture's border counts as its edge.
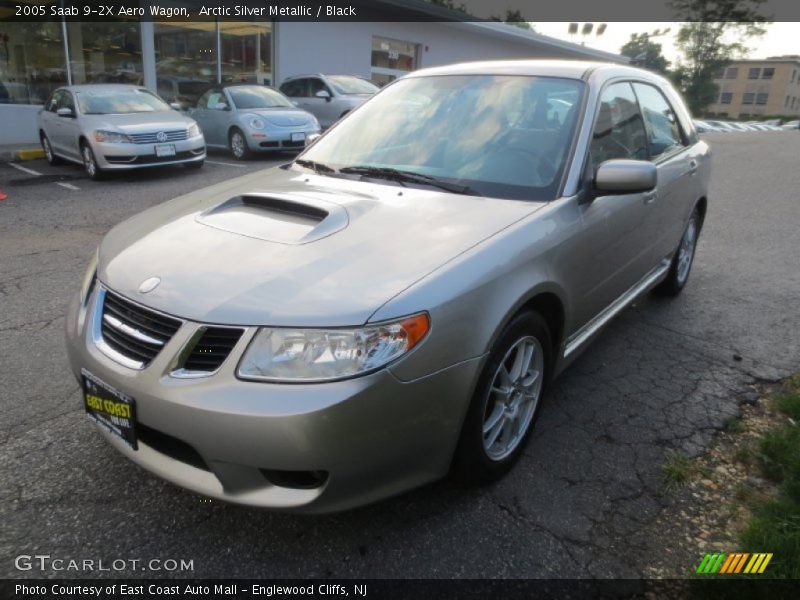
(409, 177)
(315, 166)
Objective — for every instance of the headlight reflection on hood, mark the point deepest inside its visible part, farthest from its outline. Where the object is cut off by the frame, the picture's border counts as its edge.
(315, 355)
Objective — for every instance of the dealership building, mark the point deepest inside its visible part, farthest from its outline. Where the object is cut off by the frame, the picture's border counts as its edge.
(180, 59)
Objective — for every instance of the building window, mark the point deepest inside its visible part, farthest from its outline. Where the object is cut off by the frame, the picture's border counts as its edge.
(392, 59)
(731, 73)
(105, 52)
(246, 52)
(186, 60)
(754, 73)
(32, 61)
(725, 97)
(762, 98)
(748, 98)
(767, 73)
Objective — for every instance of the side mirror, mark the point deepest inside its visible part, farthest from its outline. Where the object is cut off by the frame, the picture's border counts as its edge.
(65, 112)
(175, 105)
(221, 106)
(324, 94)
(623, 176)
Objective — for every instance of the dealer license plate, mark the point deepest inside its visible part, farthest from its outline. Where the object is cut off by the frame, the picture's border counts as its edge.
(112, 410)
(165, 150)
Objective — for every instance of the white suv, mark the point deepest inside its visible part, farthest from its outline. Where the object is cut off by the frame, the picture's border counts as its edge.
(328, 97)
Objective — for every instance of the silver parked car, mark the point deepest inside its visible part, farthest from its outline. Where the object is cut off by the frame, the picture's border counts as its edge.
(328, 97)
(253, 118)
(113, 127)
(394, 303)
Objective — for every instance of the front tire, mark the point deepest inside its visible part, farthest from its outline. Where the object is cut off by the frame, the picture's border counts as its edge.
(683, 259)
(237, 144)
(90, 167)
(48, 151)
(505, 404)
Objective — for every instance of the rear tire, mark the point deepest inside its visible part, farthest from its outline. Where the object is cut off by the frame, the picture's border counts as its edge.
(90, 167)
(48, 151)
(683, 259)
(237, 144)
(504, 407)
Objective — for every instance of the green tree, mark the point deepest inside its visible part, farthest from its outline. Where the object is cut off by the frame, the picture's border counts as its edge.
(514, 17)
(645, 53)
(714, 33)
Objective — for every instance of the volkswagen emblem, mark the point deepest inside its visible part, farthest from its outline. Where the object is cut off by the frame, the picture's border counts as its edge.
(161, 136)
(148, 285)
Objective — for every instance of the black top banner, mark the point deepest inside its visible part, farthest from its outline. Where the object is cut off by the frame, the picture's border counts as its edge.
(399, 10)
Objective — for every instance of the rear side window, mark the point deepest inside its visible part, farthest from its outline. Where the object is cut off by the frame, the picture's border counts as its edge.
(294, 88)
(618, 131)
(663, 131)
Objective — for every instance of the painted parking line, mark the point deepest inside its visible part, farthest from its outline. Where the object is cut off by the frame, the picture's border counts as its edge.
(69, 186)
(216, 162)
(25, 169)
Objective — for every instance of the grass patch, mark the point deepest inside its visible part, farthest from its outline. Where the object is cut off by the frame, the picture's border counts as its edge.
(678, 469)
(734, 425)
(775, 526)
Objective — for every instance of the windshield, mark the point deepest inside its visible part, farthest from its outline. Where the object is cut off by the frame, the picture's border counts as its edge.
(258, 97)
(116, 102)
(347, 84)
(501, 135)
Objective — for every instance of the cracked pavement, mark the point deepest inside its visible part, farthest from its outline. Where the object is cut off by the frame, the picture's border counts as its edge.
(662, 378)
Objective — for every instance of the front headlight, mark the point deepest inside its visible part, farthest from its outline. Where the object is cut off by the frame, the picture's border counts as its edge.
(113, 137)
(256, 123)
(89, 277)
(314, 355)
(193, 130)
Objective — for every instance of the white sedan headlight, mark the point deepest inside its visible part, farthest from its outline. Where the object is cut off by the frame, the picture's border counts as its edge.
(193, 130)
(256, 123)
(314, 355)
(113, 137)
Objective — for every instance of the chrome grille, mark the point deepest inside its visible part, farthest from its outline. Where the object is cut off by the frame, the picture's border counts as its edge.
(134, 332)
(152, 138)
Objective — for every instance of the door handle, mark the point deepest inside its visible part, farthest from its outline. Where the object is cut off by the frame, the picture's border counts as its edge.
(650, 197)
(692, 167)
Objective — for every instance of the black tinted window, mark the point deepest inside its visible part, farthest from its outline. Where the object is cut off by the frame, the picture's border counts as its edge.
(294, 88)
(315, 85)
(619, 131)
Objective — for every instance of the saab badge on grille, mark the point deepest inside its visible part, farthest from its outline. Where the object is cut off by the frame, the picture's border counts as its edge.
(148, 285)
(161, 136)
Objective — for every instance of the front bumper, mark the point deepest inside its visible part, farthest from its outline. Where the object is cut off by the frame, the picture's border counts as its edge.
(114, 157)
(277, 138)
(373, 436)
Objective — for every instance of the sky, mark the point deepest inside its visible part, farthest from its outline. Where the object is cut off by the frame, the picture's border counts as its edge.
(781, 38)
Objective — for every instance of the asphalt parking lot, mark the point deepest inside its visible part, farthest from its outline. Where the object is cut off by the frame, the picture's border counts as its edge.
(662, 378)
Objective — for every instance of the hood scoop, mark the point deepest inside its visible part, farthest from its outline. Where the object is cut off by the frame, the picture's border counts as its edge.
(279, 218)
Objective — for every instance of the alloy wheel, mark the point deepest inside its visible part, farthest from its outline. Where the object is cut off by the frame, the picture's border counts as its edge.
(88, 161)
(686, 250)
(238, 145)
(513, 397)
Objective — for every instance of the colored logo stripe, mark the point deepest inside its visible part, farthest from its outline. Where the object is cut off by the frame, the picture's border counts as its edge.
(736, 562)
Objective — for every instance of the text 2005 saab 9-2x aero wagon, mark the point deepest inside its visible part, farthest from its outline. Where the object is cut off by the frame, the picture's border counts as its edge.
(392, 304)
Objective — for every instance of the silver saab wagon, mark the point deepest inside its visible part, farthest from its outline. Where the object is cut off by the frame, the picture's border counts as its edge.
(393, 304)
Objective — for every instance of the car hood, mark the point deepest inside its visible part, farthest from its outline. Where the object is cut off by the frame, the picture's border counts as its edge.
(279, 247)
(289, 117)
(139, 122)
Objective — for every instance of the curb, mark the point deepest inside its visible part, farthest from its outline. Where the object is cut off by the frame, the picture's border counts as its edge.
(21, 154)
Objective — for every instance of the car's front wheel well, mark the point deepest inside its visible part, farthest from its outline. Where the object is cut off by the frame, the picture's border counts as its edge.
(549, 306)
(42, 134)
(701, 205)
